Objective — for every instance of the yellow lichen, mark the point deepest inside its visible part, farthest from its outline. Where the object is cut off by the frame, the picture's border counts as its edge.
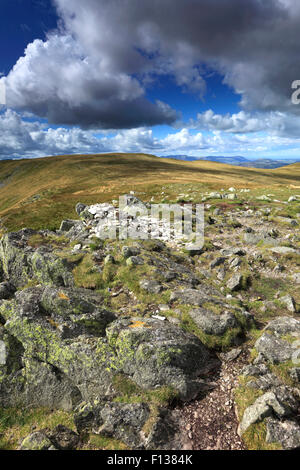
(63, 296)
(139, 324)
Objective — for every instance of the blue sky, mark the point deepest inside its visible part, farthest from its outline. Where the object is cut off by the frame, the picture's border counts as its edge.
(205, 77)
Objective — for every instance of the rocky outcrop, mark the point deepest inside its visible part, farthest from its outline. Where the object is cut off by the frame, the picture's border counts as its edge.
(278, 407)
(116, 331)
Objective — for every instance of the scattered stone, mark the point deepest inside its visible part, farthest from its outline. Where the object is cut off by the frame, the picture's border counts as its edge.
(283, 250)
(235, 282)
(263, 198)
(281, 402)
(134, 261)
(164, 307)
(80, 208)
(231, 355)
(296, 278)
(295, 374)
(213, 324)
(286, 433)
(150, 286)
(7, 290)
(265, 382)
(128, 251)
(193, 296)
(36, 441)
(158, 317)
(284, 325)
(109, 259)
(221, 274)
(63, 438)
(77, 247)
(66, 225)
(169, 275)
(217, 262)
(235, 262)
(274, 349)
(289, 301)
(255, 370)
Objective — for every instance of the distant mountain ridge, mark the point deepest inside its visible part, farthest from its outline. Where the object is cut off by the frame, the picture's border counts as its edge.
(266, 163)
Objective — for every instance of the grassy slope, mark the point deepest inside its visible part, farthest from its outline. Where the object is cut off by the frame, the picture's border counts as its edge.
(59, 183)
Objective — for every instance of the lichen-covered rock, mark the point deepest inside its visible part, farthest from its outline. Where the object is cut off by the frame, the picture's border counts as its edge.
(153, 354)
(151, 286)
(50, 269)
(213, 324)
(51, 328)
(47, 386)
(279, 342)
(81, 359)
(23, 263)
(279, 401)
(289, 301)
(11, 380)
(124, 422)
(63, 438)
(132, 423)
(7, 290)
(286, 433)
(128, 251)
(274, 349)
(134, 261)
(265, 382)
(15, 255)
(205, 293)
(284, 325)
(66, 225)
(80, 310)
(235, 282)
(36, 441)
(255, 370)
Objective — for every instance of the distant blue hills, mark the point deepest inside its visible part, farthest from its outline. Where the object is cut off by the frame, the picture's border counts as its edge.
(266, 163)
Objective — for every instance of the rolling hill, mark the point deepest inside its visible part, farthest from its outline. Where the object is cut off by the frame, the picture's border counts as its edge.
(266, 163)
(40, 192)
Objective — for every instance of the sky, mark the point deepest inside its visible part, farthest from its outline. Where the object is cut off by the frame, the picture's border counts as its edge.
(166, 77)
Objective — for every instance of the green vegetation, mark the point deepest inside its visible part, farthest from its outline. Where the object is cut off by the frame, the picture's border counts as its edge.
(50, 239)
(40, 193)
(97, 442)
(16, 424)
(130, 392)
(255, 436)
(86, 275)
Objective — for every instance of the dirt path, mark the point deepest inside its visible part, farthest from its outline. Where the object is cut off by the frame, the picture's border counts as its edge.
(211, 423)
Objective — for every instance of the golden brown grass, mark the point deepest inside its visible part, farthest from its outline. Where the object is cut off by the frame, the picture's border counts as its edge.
(41, 192)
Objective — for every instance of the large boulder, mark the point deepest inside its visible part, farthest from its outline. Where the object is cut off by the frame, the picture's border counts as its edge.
(279, 402)
(135, 424)
(204, 293)
(155, 353)
(124, 422)
(73, 347)
(280, 341)
(213, 324)
(38, 440)
(52, 328)
(274, 349)
(22, 263)
(286, 433)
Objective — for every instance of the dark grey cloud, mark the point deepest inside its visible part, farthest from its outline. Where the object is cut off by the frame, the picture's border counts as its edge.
(58, 81)
(254, 43)
(94, 70)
